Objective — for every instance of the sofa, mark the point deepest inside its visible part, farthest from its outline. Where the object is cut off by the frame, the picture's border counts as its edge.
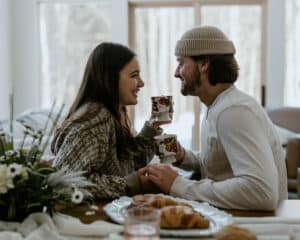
(36, 120)
(287, 123)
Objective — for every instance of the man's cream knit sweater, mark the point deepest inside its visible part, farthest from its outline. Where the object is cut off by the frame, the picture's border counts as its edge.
(242, 162)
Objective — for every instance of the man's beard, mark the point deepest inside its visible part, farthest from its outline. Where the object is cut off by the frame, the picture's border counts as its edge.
(191, 86)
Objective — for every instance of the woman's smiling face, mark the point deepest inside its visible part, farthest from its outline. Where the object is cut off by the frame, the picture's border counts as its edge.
(130, 83)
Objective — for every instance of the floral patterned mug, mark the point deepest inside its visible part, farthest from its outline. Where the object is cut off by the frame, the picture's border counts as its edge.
(162, 109)
(166, 147)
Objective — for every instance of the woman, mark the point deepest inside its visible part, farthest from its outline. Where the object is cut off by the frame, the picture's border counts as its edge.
(95, 136)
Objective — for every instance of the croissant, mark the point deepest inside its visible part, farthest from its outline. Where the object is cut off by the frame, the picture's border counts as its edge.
(181, 217)
(156, 201)
(232, 232)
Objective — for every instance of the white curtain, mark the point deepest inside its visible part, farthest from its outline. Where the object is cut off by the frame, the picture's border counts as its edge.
(292, 66)
(243, 25)
(68, 33)
(156, 32)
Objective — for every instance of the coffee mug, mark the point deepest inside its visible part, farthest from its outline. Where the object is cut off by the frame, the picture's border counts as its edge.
(162, 109)
(166, 147)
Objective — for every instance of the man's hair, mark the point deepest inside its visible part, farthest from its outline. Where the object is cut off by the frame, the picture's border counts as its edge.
(222, 68)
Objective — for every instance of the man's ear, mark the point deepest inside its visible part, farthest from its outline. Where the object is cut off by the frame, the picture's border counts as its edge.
(203, 66)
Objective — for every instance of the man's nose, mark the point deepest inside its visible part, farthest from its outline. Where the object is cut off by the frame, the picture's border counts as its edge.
(176, 73)
(141, 83)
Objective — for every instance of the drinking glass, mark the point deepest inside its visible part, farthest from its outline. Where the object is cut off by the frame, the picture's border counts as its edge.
(142, 223)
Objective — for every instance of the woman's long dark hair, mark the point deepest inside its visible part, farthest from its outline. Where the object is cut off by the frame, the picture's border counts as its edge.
(100, 84)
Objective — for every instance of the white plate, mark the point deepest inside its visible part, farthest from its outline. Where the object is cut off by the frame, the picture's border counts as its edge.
(217, 218)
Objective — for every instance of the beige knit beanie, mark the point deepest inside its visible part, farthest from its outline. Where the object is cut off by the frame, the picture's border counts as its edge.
(204, 40)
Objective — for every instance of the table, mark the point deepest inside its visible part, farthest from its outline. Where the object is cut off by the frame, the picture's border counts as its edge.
(287, 208)
(267, 225)
(278, 225)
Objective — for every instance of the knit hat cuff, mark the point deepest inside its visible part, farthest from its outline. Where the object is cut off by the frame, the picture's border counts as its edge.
(196, 47)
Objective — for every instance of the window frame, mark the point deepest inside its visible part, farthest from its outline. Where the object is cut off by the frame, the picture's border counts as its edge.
(197, 4)
(263, 4)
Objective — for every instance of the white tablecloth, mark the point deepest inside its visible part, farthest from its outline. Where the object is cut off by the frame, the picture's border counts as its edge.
(41, 226)
(61, 227)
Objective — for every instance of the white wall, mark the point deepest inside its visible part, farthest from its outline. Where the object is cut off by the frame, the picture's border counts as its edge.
(275, 53)
(19, 58)
(25, 63)
(5, 56)
(119, 13)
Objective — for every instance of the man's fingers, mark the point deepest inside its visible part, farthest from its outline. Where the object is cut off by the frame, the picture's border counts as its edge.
(157, 173)
(155, 180)
(153, 170)
(153, 173)
(142, 170)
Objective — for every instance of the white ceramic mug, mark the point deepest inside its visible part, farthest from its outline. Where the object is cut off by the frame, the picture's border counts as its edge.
(167, 147)
(162, 109)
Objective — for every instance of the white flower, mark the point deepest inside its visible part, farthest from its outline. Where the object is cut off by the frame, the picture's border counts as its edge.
(77, 196)
(5, 181)
(9, 153)
(14, 169)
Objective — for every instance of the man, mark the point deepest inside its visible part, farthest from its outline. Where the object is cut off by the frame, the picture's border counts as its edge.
(241, 162)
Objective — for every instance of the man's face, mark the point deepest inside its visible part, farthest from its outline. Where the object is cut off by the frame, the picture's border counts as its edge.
(187, 71)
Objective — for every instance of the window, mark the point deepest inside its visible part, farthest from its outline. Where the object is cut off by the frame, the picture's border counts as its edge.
(237, 21)
(155, 28)
(292, 70)
(68, 33)
(69, 30)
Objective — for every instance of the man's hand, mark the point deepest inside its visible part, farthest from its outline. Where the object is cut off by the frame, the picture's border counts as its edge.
(162, 175)
(147, 185)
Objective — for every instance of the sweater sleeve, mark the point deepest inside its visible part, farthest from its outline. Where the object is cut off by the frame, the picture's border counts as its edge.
(145, 145)
(254, 184)
(82, 150)
(192, 161)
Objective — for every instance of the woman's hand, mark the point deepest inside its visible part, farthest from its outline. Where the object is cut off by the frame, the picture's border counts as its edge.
(157, 123)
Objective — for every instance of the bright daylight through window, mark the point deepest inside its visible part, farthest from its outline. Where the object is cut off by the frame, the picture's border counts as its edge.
(68, 33)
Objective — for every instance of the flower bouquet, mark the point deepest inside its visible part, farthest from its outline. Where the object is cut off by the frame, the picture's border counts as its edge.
(28, 184)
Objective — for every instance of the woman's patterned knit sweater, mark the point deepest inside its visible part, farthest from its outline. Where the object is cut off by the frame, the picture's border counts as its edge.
(90, 146)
